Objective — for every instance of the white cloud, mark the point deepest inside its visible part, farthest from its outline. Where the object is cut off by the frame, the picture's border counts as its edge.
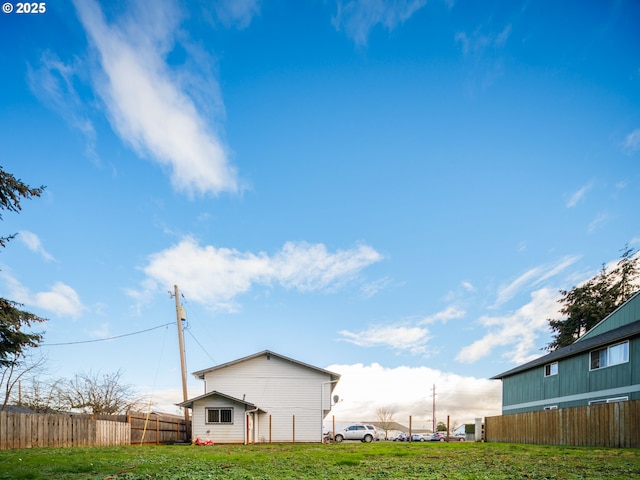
(477, 43)
(411, 337)
(215, 276)
(61, 299)
(358, 17)
(532, 277)
(397, 337)
(484, 54)
(146, 104)
(468, 286)
(33, 243)
(237, 13)
(52, 81)
(518, 330)
(449, 313)
(407, 391)
(632, 141)
(578, 196)
(601, 219)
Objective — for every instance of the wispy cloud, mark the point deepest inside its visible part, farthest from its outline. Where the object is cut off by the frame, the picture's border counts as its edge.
(468, 286)
(449, 313)
(215, 276)
(61, 299)
(408, 336)
(532, 277)
(477, 43)
(601, 219)
(358, 17)
(147, 104)
(33, 243)
(398, 337)
(631, 142)
(484, 52)
(52, 81)
(236, 13)
(578, 196)
(518, 331)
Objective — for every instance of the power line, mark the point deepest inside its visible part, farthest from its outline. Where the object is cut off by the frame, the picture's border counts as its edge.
(200, 345)
(104, 339)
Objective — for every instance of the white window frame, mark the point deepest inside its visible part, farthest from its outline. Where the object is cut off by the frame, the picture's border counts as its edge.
(549, 371)
(219, 410)
(608, 400)
(604, 356)
(551, 407)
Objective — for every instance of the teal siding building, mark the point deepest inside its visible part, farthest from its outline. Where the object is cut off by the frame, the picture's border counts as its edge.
(602, 366)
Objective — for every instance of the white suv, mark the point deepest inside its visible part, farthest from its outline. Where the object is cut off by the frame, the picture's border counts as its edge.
(364, 433)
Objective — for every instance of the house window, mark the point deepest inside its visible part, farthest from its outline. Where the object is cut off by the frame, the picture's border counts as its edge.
(613, 355)
(608, 400)
(219, 415)
(551, 407)
(551, 369)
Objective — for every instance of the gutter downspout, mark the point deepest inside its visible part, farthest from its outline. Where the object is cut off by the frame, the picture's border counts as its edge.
(322, 409)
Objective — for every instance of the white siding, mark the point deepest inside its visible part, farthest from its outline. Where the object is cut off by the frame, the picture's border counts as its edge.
(233, 433)
(281, 388)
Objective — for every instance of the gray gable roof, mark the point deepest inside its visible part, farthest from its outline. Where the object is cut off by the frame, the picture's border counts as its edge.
(626, 331)
(622, 323)
(201, 373)
(189, 403)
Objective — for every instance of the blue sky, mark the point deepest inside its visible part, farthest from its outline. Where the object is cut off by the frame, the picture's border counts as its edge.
(395, 191)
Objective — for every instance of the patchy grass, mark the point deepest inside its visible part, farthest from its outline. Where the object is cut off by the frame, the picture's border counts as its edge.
(338, 461)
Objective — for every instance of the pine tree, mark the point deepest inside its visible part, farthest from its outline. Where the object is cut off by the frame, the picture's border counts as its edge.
(585, 305)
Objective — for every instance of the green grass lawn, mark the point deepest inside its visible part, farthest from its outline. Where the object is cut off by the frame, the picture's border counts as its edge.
(338, 461)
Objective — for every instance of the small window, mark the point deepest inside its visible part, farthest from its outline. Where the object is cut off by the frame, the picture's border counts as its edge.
(608, 400)
(551, 369)
(551, 407)
(219, 415)
(613, 355)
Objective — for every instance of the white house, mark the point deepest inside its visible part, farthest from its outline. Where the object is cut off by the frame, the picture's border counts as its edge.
(265, 397)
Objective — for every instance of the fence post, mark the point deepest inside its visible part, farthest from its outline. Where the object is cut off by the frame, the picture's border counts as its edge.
(410, 426)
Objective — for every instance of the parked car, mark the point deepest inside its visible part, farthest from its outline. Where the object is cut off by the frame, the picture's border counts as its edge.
(420, 437)
(442, 437)
(401, 437)
(364, 433)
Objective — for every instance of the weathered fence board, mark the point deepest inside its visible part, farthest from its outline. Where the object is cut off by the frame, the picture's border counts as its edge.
(32, 430)
(158, 429)
(604, 425)
(26, 430)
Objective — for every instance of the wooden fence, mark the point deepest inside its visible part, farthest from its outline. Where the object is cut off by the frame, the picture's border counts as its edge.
(157, 429)
(32, 430)
(604, 425)
(26, 430)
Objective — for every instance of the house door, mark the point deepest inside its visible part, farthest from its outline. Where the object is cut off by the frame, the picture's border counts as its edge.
(250, 428)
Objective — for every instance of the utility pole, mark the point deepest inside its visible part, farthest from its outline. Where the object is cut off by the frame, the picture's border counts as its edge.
(180, 317)
(433, 409)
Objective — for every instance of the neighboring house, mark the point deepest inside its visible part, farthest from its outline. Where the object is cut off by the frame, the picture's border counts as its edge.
(601, 366)
(264, 397)
(461, 430)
